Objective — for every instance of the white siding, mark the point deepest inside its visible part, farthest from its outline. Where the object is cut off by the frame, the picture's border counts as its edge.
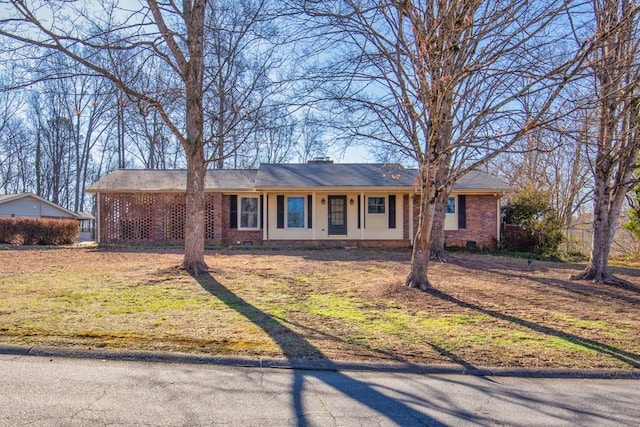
(286, 233)
(30, 208)
(375, 226)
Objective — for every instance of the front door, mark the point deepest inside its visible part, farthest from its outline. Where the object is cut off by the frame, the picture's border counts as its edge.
(337, 215)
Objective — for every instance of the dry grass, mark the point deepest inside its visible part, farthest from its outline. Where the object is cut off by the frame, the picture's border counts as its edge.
(338, 304)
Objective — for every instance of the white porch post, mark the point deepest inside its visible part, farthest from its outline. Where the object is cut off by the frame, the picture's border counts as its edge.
(314, 215)
(265, 217)
(363, 203)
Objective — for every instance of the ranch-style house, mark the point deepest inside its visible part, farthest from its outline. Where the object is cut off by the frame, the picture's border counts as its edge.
(312, 204)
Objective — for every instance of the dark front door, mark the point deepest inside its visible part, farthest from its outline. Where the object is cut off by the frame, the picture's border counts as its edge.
(338, 215)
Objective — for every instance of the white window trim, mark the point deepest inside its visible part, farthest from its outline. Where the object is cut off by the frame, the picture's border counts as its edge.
(385, 200)
(304, 212)
(240, 227)
(455, 205)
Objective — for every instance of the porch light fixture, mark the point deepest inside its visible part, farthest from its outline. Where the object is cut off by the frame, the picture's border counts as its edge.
(351, 202)
(323, 201)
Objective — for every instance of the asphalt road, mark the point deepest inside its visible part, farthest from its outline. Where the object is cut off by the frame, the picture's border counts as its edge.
(45, 391)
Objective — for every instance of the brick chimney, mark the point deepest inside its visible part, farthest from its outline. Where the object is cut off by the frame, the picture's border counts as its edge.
(319, 160)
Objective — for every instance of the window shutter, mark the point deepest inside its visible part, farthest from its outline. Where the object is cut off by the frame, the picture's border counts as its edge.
(462, 211)
(233, 211)
(261, 212)
(280, 211)
(309, 211)
(359, 210)
(392, 211)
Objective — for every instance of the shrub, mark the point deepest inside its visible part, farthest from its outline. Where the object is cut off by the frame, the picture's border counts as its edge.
(531, 224)
(38, 231)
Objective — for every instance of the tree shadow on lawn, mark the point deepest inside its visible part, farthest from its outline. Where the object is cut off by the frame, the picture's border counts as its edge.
(631, 359)
(581, 287)
(507, 263)
(399, 410)
(293, 345)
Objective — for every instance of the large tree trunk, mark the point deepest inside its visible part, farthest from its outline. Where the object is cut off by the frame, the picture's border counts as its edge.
(418, 275)
(194, 143)
(618, 138)
(437, 249)
(194, 230)
(606, 213)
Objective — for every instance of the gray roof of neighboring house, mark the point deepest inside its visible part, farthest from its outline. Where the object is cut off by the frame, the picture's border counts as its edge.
(6, 198)
(287, 176)
(154, 180)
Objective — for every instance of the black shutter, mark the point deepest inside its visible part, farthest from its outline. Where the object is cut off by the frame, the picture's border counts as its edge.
(359, 210)
(233, 211)
(462, 211)
(280, 211)
(261, 212)
(309, 211)
(392, 211)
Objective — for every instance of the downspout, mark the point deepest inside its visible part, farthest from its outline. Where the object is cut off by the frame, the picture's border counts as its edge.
(498, 219)
(411, 218)
(98, 217)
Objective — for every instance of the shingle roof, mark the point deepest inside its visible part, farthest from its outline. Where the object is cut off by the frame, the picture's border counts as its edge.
(6, 198)
(287, 176)
(478, 180)
(313, 175)
(153, 180)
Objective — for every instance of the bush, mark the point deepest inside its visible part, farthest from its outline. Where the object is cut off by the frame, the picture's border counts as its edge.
(38, 231)
(532, 226)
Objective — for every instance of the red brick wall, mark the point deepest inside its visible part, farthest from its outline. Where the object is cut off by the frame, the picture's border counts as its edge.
(153, 218)
(406, 217)
(481, 212)
(231, 236)
(159, 218)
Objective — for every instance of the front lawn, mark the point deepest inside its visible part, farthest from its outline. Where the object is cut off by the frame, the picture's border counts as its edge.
(339, 304)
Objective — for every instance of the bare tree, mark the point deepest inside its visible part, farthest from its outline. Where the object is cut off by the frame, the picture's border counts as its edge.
(445, 83)
(104, 37)
(15, 146)
(615, 68)
(16, 158)
(241, 46)
(553, 159)
(311, 144)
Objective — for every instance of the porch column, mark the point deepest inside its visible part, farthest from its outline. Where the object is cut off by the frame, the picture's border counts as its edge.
(314, 215)
(363, 203)
(265, 217)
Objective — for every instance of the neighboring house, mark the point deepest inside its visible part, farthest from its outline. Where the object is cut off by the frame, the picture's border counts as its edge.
(28, 205)
(318, 203)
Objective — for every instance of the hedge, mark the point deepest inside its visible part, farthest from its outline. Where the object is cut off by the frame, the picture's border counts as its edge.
(38, 231)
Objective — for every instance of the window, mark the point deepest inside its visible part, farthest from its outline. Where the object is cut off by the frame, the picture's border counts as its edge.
(376, 205)
(451, 205)
(249, 212)
(295, 212)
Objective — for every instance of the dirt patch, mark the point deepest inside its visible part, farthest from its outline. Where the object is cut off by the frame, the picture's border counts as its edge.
(340, 304)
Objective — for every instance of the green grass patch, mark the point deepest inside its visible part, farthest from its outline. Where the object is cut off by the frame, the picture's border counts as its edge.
(325, 303)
